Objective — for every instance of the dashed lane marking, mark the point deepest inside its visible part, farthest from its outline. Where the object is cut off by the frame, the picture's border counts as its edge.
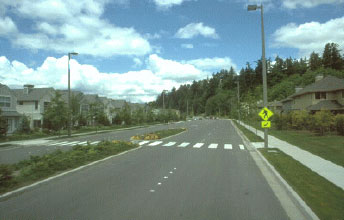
(95, 142)
(143, 142)
(241, 147)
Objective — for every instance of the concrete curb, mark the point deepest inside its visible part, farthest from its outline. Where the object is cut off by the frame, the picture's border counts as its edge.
(24, 188)
(298, 201)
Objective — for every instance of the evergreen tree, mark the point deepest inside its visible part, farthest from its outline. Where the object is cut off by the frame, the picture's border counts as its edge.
(331, 57)
(315, 61)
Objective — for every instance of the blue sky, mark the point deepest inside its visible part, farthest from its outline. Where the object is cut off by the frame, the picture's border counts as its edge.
(133, 49)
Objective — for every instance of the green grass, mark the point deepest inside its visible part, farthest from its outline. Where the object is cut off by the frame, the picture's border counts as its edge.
(252, 137)
(40, 167)
(323, 197)
(329, 147)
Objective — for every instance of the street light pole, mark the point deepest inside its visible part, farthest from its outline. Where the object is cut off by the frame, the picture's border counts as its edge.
(69, 103)
(265, 89)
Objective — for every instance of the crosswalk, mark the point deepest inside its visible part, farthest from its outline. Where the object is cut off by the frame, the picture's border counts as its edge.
(73, 143)
(191, 145)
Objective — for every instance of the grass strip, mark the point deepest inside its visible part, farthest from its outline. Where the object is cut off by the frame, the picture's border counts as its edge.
(252, 137)
(329, 147)
(159, 134)
(323, 197)
(40, 167)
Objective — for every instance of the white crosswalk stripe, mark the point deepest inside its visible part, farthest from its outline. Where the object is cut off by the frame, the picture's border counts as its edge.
(198, 145)
(241, 147)
(70, 143)
(95, 143)
(155, 143)
(212, 146)
(84, 143)
(143, 142)
(169, 144)
(184, 144)
(58, 143)
(76, 143)
(228, 146)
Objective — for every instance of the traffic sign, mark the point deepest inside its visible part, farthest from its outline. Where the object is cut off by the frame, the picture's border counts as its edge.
(266, 124)
(265, 114)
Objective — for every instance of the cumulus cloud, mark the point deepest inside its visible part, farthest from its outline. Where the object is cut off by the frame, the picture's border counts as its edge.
(187, 46)
(78, 25)
(215, 63)
(311, 36)
(292, 4)
(7, 27)
(194, 29)
(165, 4)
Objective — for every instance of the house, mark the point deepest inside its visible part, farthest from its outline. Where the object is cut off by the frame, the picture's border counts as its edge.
(324, 94)
(32, 102)
(107, 107)
(8, 103)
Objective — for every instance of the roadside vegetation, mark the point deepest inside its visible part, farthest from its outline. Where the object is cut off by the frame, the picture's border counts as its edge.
(159, 134)
(252, 137)
(323, 197)
(40, 167)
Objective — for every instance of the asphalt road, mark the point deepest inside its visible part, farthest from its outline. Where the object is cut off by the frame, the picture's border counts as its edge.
(159, 182)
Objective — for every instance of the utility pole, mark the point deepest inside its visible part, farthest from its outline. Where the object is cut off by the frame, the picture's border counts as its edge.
(69, 102)
(238, 102)
(187, 108)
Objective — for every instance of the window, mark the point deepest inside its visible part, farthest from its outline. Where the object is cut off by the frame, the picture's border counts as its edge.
(320, 95)
(46, 104)
(36, 105)
(5, 101)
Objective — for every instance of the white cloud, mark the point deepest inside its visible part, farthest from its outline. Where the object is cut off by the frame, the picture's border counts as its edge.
(194, 29)
(215, 63)
(187, 46)
(137, 86)
(165, 4)
(310, 36)
(137, 62)
(292, 4)
(62, 26)
(7, 27)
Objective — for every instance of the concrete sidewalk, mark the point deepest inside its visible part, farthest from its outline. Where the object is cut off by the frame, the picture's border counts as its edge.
(332, 172)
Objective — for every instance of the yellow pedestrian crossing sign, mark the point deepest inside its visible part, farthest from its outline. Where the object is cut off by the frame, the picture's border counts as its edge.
(266, 124)
(265, 114)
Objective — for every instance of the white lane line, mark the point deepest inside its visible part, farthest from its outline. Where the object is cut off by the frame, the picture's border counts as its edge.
(241, 147)
(69, 143)
(228, 146)
(54, 144)
(155, 143)
(183, 144)
(95, 143)
(152, 190)
(171, 172)
(165, 177)
(83, 143)
(143, 142)
(169, 144)
(76, 143)
(59, 143)
(212, 146)
(198, 145)
(159, 183)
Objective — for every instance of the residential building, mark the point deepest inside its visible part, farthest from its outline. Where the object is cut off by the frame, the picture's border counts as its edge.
(32, 102)
(8, 103)
(324, 94)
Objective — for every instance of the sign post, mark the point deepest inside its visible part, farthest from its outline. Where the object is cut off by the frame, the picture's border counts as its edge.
(265, 114)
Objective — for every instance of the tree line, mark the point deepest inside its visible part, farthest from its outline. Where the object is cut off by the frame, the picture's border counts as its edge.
(217, 95)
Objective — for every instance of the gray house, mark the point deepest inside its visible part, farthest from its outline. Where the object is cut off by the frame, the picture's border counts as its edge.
(324, 94)
(8, 103)
(32, 102)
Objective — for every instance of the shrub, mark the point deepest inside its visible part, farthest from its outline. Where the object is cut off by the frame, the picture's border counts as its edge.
(6, 178)
(339, 122)
(299, 120)
(25, 125)
(323, 121)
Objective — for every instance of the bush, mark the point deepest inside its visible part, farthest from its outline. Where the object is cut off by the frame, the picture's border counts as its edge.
(299, 120)
(339, 122)
(6, 178)
(24, 125)
(323, 121)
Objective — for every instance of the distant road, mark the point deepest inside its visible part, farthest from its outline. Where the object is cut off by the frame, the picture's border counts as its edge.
(205, 173)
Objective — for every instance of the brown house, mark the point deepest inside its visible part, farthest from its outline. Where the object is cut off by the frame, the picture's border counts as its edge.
(324, 94)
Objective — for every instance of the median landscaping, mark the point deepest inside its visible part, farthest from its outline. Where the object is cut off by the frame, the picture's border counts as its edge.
(159, 134)
(40, 167)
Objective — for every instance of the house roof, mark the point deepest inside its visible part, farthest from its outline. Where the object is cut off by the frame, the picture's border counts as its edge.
(89, 98)
(35, 94)
(327, 84)
(326, 105)
(10, 114)
(64, 94)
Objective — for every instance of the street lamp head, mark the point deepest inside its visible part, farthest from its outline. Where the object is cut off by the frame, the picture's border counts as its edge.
(73, 53)
(252, 7)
